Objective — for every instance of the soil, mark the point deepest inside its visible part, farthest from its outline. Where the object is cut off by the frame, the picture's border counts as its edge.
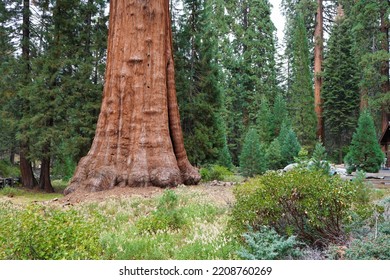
(218, 192)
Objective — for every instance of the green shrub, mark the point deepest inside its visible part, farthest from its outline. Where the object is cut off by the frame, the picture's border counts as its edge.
(215, 172)
(166, 217)
(370, 248)
(10, 191)
(8, 170)
(309, 204)
(267, 244)
(43, 233)
(59, 185)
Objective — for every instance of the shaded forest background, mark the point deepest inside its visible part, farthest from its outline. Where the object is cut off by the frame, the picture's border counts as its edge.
(240, 90)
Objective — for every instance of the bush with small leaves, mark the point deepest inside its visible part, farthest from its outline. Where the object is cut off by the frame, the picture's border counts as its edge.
(215, 172)
(267, 244)
(309, 204)
(44, 233)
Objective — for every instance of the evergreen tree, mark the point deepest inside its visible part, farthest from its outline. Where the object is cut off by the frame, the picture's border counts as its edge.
(264, 121)
(197, 82)
(289, 143)
(274, 155)
(301, 95)
(364, 152)
(66, 82)
(340, 89)
(319, 158)
(279, 114)
(252, 158)
(250, 66)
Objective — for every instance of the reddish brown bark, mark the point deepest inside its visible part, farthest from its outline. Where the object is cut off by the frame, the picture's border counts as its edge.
(318, 58)
(44, 178)
(26, 172)
(385, 64)
(138, 138)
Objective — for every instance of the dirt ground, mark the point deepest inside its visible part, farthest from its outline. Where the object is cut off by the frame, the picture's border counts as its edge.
(218, 192)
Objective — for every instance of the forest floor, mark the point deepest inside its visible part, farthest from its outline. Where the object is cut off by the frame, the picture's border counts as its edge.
(218, 192)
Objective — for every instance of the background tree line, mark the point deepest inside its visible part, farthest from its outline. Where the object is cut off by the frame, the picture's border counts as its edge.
(237, 84)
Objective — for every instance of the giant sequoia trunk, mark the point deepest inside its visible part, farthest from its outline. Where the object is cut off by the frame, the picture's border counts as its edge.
(138, 139)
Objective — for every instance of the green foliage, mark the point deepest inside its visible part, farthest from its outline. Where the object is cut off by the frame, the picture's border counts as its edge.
(289, 144)
(252, 158)
(267, 244)
(225, 159)
(309, 204)
(248, 74)
(319, 158)
(274, 155)
(215, 172)
(340, 89)
(10, 191)
(199, 90)
(166, 217)
(264, 121)
(370, 249)
(8, 170)
(203, 236)
(43, 233)
(364, 152)
(302, 95)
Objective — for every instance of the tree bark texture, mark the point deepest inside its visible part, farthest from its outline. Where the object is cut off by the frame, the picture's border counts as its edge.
(44, 178)
(318, 58)
(138, 140)
(385, 65)
(26, 172)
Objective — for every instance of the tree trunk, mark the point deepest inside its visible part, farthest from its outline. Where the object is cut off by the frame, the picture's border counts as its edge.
(44, 178)
(26, 172)
(318, 58)
(385, 64)
(138, 138)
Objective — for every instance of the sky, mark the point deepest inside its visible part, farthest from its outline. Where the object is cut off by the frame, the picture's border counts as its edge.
(277, 18)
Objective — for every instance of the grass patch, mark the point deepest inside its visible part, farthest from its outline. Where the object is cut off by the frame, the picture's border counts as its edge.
(24, 196)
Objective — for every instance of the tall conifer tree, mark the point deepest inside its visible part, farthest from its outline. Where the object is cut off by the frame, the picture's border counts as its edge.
(250, 66)
(301, 95)
(340, 89)
(198, 87)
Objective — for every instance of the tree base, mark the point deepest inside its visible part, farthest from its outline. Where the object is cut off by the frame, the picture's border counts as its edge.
(106, 178)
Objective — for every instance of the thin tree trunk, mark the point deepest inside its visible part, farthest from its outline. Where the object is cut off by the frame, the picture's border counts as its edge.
(138, 138)
(385, 64)
(44, 178)
(318, 58)
(26, 173)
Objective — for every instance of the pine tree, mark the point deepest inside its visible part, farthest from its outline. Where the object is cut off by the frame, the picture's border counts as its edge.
(301, 96)
(340, 89)
(279, 114)
(274, 155)
(252, 158)
(289, 143)
(319, 158)
(264, 121)
(199, 91)
(250, 66)
(364, 152)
